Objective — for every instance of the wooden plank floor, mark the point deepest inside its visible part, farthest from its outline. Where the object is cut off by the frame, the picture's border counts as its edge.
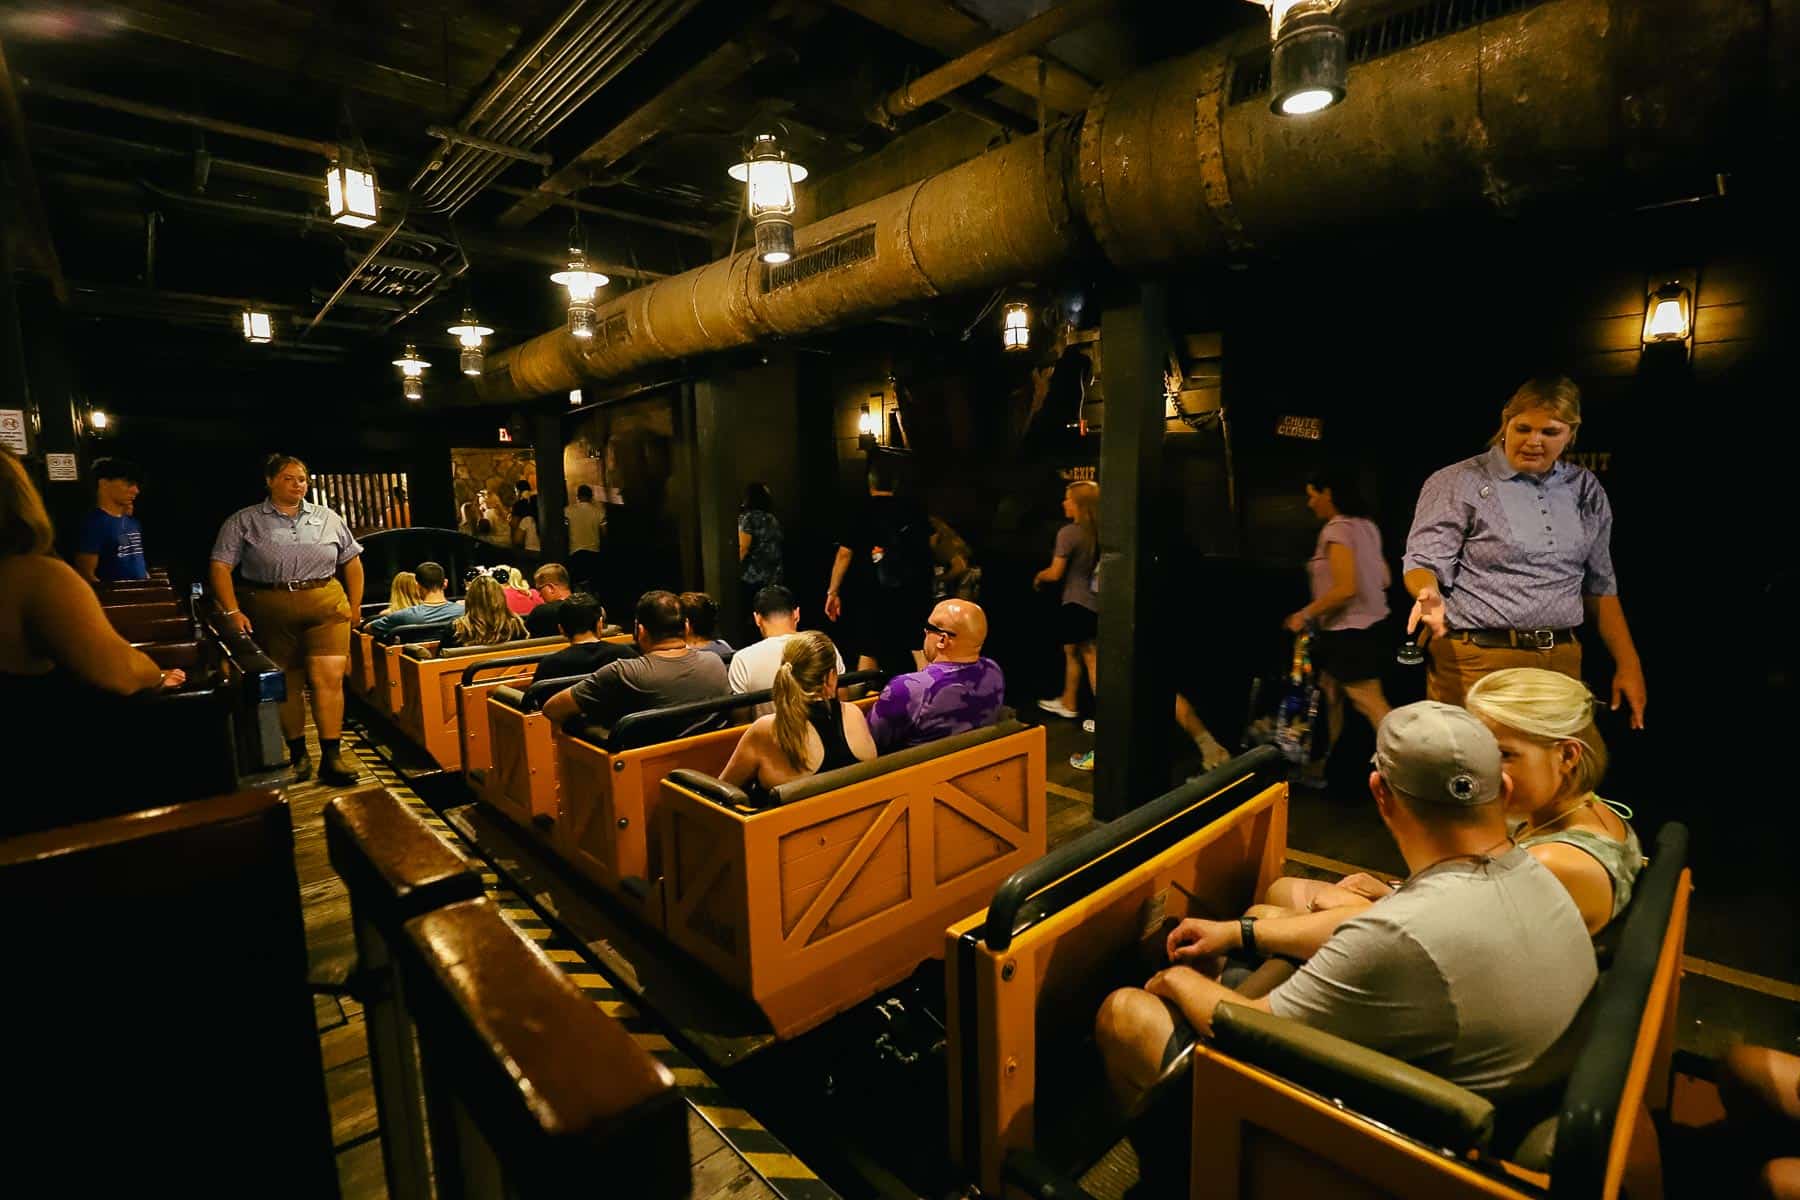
(718, 1171)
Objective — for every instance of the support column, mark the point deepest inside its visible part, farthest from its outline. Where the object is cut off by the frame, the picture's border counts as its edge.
(552, 486)
(717, 409)
(1134, 707)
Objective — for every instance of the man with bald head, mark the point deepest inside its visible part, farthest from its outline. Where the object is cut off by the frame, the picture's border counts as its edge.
(958, 690)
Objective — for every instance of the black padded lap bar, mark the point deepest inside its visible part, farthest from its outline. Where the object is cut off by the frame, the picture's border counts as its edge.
(1081, 867)
(1413, 1101)
(628, 733)
(406, 635)
(495, 664)
(1590, 1106)
(717, 790)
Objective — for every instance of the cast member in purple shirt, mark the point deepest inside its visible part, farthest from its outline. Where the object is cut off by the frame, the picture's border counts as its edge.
(1509, 549)
(957, 691)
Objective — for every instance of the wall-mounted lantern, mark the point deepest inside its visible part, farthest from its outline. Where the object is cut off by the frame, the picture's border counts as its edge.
(1668, 314)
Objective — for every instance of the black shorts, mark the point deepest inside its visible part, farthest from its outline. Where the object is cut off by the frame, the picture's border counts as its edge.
(1351, 655)
(1076, 624)
(886, 629)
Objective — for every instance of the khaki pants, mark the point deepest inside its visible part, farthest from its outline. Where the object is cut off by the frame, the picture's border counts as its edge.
(1456, 664)
(292, 627)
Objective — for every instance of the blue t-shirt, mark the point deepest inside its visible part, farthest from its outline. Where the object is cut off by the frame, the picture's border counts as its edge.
(119, 544)
(418, 614)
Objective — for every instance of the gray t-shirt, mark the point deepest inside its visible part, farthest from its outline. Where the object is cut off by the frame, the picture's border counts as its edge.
(631, 685)
(1472, 972)
(1074, 544)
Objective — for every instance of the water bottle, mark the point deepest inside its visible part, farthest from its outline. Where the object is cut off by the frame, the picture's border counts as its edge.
(196, 606)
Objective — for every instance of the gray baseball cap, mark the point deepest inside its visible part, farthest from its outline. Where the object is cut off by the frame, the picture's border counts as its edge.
(1439, 754)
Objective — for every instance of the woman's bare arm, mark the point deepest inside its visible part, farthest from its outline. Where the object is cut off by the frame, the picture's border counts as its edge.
(64, 617)
(1053, 573)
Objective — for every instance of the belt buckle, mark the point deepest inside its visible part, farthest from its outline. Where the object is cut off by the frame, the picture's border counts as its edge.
(291, 586)
(1542, 639)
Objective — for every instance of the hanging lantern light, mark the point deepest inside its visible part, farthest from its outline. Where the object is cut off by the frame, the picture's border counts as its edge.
(1015, 328)
(1308, 65)
(1668, 315)
(257, 326)
(412, 373)
(582, 281)
(769, 180)
(350, 193)
(469, 332)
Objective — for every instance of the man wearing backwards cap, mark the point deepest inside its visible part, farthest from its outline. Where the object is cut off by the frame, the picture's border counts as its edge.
(1473, 969)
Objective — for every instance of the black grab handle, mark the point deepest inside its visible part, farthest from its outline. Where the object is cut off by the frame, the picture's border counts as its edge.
(1027, 881)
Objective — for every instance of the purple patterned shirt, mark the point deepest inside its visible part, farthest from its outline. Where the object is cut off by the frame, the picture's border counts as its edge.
(945, 698)
(1511, 550)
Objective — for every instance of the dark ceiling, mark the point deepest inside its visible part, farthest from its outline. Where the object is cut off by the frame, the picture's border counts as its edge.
(166, 222)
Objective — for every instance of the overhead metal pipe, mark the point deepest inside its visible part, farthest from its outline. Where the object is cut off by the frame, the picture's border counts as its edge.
(490, 147)
(1179, 164)
(984, 58)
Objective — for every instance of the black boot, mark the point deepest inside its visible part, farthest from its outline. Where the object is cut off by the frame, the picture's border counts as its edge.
(300, 760)
(334, 768)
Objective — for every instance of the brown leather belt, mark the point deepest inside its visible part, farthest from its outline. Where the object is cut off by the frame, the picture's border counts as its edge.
(1515, 639)
(297, 586)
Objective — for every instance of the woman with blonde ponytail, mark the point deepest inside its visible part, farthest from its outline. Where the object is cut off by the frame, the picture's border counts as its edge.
(1552, 752)
(810, 731)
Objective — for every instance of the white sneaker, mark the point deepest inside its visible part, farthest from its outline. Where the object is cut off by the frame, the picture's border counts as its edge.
(1087, 726)
(1056, 707)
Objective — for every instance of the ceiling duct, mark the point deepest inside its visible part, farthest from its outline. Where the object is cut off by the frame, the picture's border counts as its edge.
(1162, 169)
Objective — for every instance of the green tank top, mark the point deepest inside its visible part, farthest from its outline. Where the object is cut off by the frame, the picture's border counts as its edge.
(1622, 860)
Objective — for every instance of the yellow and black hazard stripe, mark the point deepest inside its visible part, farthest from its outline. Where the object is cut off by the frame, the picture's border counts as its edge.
(765, 1153)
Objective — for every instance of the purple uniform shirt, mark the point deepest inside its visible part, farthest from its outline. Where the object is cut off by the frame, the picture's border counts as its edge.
(945, 698)
(1511, 550)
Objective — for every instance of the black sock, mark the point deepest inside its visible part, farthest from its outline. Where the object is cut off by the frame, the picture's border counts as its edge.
(296, 749)
(328, 748)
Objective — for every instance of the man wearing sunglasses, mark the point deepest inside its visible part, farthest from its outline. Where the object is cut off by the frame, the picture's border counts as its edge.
(958, 690)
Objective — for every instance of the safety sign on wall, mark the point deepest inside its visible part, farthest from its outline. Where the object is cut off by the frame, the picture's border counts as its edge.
(12, 429)
(61, 468)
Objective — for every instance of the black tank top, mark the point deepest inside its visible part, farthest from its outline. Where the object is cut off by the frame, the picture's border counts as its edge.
(827, 719)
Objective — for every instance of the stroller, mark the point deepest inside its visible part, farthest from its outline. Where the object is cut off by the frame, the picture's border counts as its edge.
(1284, 709)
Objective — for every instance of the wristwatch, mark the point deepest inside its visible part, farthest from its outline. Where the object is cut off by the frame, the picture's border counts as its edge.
(1247, 934)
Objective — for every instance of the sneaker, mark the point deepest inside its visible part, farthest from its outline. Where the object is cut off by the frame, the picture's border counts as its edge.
(1087, 726)
(1083, 761)
(1057, 708)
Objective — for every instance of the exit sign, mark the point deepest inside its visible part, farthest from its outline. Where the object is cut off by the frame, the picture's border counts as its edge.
(505, 434)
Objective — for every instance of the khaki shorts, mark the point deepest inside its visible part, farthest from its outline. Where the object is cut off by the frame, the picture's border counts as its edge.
(1455, 665)
(292, 627)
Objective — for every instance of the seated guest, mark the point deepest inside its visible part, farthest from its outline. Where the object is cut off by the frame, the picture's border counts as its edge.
(582, 621)
(552, 580)
(957, 691)
(485, 620)
(701, 612)
(1473, 969)
(1760, 1089)
(777, 618)
(403, 593)
(521, 597)
(432, 608)
(667, 671)
(1553, 754)
(810, 731)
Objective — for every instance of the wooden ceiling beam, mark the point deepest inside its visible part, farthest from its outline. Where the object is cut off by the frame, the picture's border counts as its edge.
(951, 32)
(36, 243)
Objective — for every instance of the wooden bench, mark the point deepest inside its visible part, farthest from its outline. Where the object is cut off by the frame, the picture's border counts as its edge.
(843, 885)
(494, 1075)
(530, 1088)
(428, 680)
(158, 1005)
(1284, 1110)
(1025, 976)
(395, 869)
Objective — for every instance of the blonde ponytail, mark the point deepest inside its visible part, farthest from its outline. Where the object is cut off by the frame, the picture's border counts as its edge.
(807, 661)
(1547, 707)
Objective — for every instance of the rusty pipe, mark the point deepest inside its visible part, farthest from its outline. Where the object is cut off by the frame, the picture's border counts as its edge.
(1165, 168)
(984, 58)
